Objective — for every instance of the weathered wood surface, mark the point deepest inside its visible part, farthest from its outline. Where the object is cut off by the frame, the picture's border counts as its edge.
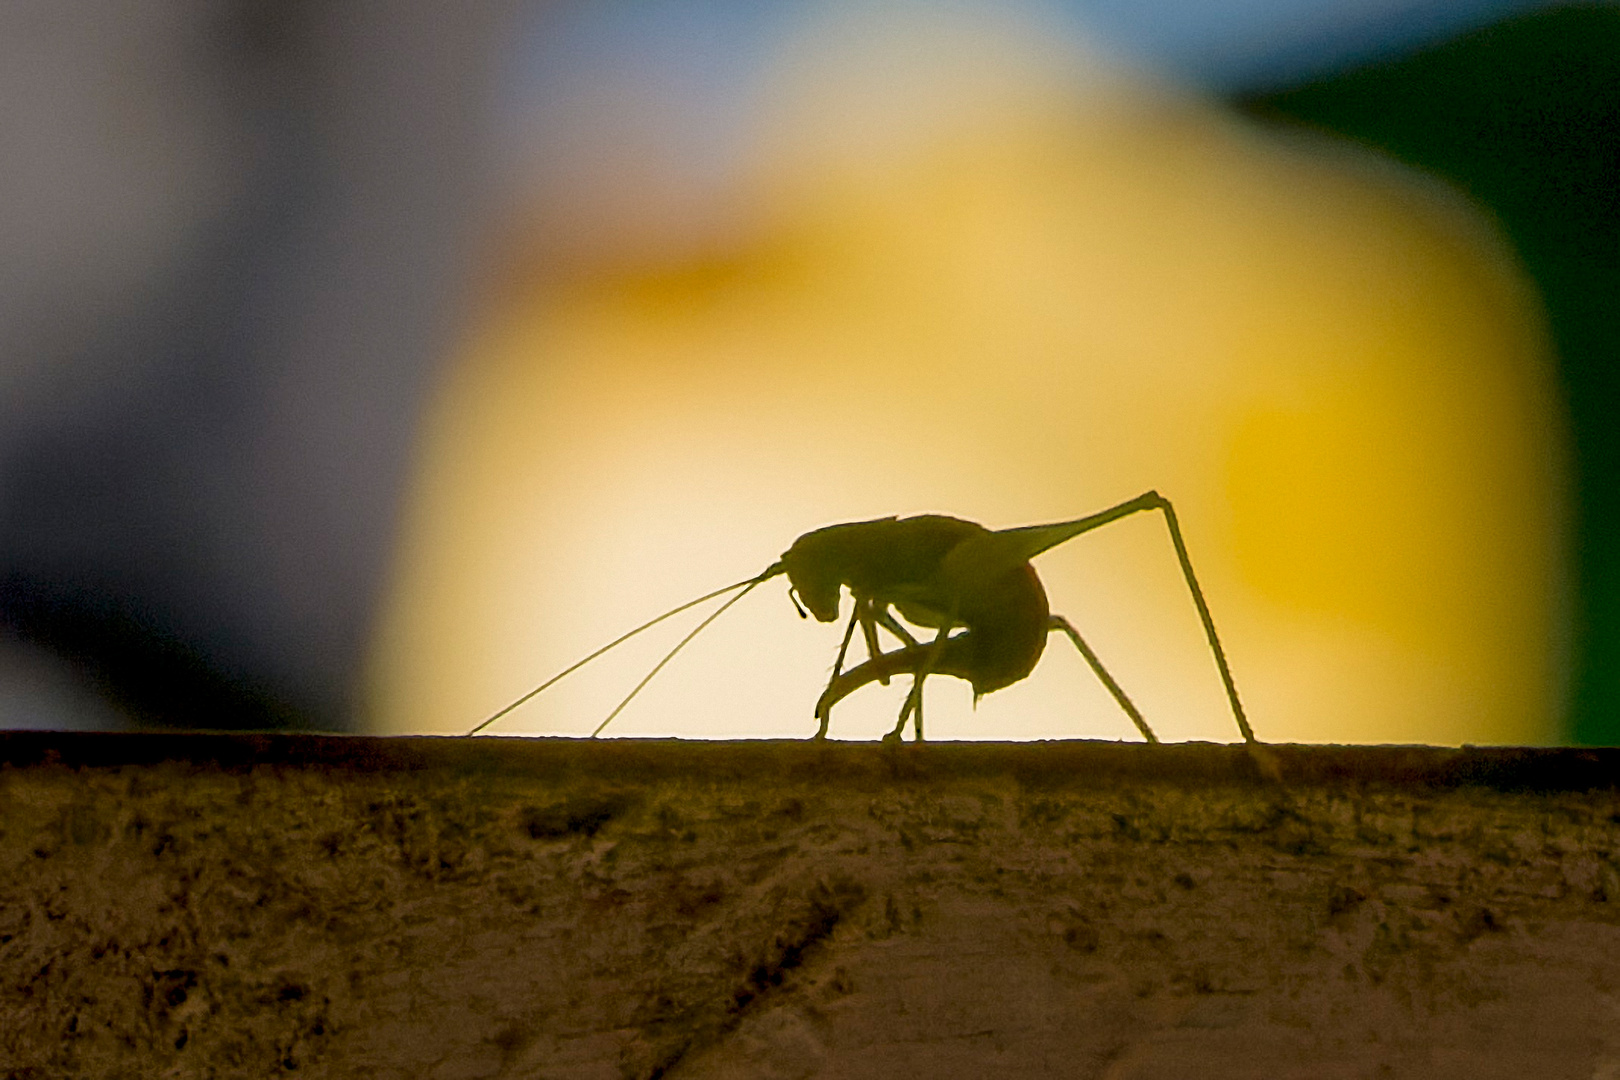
(200, 906)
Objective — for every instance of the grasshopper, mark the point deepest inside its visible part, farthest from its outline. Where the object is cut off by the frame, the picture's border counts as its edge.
(973, 586)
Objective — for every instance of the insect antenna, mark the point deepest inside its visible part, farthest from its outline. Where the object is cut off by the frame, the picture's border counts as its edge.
(713, 615)
(744, 585)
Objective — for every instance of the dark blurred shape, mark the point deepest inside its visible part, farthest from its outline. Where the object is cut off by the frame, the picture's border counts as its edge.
(1524, 117)
(130, 650)
(1255, 44)
(232, 238)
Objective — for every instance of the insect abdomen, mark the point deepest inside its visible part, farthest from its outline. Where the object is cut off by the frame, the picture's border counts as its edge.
(1007, 627)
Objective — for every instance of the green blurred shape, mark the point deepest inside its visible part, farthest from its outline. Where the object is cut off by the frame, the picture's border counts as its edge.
(1524, 117)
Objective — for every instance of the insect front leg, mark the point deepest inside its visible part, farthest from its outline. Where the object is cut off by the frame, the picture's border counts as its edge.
(869, 614)
(838, 668)
(872, 615)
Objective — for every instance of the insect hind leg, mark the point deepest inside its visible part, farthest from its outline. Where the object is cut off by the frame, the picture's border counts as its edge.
(1031, 540)
(1058, 622)
(1161, 503)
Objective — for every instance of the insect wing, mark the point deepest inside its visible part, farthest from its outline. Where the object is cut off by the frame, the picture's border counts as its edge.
(984, 558)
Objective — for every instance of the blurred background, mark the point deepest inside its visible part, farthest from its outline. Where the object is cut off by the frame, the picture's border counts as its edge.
(362, 365)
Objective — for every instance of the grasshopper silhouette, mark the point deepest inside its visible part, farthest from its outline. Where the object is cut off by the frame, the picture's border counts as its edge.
(974, 587)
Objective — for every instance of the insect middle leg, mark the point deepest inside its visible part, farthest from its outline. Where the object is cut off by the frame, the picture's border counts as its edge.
(885, 618)
(914, 700)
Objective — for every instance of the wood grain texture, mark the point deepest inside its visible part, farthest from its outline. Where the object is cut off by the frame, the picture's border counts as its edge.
(213, 906)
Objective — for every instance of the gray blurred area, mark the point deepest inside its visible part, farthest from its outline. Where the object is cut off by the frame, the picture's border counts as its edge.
(232, 237)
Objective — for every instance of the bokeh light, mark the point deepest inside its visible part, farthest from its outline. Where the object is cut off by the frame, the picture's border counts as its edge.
(966, 265)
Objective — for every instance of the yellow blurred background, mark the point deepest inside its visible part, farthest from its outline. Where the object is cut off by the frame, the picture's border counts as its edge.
(1002, 278)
